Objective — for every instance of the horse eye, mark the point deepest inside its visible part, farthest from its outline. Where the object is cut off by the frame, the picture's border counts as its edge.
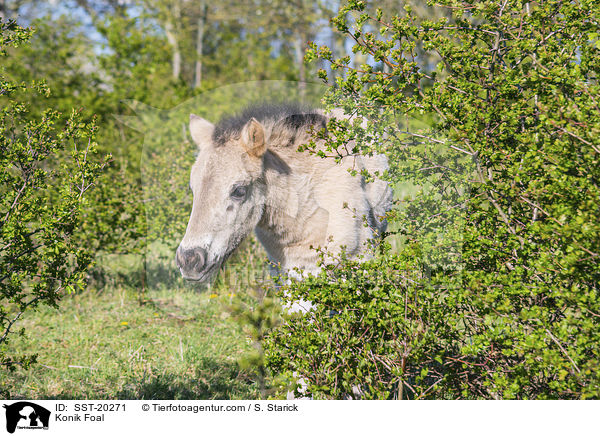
(239, 193)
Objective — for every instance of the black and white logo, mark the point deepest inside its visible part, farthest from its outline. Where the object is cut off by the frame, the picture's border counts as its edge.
(26, 415)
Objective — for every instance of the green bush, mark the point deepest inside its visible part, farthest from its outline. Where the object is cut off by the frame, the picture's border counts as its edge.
(373, 329)
(493, 290)
(46, 170)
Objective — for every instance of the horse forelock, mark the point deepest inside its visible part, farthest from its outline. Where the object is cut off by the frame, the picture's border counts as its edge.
(285, 123)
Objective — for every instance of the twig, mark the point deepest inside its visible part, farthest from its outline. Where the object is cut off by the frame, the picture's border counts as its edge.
(562, 129)
(49, 367)
(428, 389)
(83, 367)
(563, 350)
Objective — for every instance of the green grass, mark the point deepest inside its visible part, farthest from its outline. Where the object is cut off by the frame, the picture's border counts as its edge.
(172, 344)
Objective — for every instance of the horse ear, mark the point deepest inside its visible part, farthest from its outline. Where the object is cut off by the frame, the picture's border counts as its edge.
(253, 138)
(200, 129)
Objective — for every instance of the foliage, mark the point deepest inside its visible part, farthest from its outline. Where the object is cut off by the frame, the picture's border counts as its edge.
(257, 318)
(509, 174)
(46, 168)
(59, 52)
(379, 331)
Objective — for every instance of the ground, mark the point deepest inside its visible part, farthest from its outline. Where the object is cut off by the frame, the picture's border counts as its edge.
(168, 344)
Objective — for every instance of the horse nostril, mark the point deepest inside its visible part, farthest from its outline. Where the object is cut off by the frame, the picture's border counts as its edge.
(198, 257)
(190, 259)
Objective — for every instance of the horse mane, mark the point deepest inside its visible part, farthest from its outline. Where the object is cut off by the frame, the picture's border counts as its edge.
(285, 121)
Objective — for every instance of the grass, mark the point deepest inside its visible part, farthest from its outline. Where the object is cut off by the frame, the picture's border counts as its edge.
(172, 344)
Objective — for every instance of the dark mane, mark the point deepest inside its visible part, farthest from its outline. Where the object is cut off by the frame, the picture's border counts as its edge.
(295, 117)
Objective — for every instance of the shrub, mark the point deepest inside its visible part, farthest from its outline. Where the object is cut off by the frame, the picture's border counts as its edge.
(46, 169)
(505, 232)
(374, 329)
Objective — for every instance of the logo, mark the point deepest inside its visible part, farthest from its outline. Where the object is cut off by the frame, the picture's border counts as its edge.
(26, 415)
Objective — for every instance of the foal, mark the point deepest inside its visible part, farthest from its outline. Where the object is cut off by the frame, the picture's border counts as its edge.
(249, 175)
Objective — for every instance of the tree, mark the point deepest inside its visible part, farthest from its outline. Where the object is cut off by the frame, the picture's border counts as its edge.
(47, 167)
(512, 109)
(293, 23)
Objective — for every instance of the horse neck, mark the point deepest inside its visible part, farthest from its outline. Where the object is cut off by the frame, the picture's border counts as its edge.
(284, 229)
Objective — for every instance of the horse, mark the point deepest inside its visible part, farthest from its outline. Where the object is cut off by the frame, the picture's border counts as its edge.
(249, 175)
